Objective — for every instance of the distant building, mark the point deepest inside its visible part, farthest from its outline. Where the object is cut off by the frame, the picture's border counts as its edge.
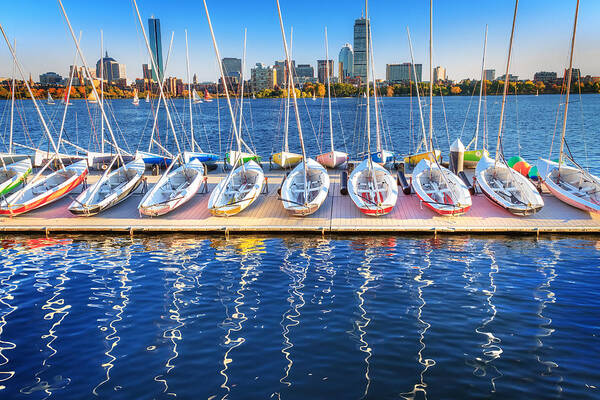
(396, 73)
(346, 60)
(50, 78)
(511, 78)
(299, 81)
(575, 75)
(232, 67)
(147, 71)
(305, 71)
(360, 49)
(110, 70)
(544, 76)
(322, 66)
(263, 77)
(439, 74)
(80, 78)
(156, 47)
(195, 80)
(489, 74)
(282, 72)
(174, 86)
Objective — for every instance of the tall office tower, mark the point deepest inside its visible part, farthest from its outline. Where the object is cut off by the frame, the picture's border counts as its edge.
(322, 70)
(232, 67)
(156, 47)
(360, 49)
(346, 59)
(439, 74)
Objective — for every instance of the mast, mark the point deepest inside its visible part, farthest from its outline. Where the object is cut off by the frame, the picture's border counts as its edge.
(155, 68)
(481, 86)
(412, 60)
(242, 84)
(377, 128)
(12, 106)
(296, 111)
(37, 108)
(506, 80)
(564, 127)
(431, 74)
(85, 67)
(187, 61)
(368, 93)
(101, 89)
(68, 94)
(286, 146)
(161, 82)
(231, 113)
(328, 88)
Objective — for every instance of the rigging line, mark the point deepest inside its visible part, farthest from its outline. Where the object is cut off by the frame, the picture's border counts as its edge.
(467, 113)
(517, 122)
(445, 119)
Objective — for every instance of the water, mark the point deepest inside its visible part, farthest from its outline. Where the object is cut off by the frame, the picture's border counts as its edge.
(296, 318)
(303, 317)
(530, 124)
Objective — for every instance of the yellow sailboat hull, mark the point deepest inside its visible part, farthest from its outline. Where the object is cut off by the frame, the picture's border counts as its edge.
(286, 159)
(416, 158)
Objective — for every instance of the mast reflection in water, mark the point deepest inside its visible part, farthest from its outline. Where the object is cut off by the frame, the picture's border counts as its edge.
(290, 318)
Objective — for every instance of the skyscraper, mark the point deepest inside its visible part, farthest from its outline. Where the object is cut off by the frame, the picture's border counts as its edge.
(232, 67)
(360, 49)
(439, 74)
(346, 59)
(156, 47)
(322, 70)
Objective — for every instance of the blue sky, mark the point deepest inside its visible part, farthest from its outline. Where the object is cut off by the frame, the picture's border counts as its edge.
(541, 41)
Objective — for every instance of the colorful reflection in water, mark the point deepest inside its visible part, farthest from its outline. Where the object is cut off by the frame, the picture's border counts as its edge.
(267, 317)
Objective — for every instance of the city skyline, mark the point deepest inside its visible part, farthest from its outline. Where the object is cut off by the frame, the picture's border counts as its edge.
(539, 46)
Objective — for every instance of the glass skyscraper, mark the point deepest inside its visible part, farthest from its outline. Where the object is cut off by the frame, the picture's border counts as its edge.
(360, 49)
(346, 60)
(156, 47)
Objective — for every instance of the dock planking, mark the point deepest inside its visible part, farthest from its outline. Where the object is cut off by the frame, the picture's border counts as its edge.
(338, 214)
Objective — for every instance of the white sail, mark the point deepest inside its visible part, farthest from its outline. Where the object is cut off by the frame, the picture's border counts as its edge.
(50, 100)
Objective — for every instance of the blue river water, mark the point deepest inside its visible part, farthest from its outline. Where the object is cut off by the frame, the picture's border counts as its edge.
(299, 317)
(295, 318)
(532, 125)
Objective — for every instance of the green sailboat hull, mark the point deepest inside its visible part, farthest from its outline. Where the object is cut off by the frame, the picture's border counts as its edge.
(15, 184)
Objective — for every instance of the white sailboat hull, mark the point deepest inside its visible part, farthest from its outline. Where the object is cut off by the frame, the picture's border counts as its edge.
(237, 191)
(375, 191)
(293, 190)
(439, 189)
(507, 188)
(571, 185)
(173, 190)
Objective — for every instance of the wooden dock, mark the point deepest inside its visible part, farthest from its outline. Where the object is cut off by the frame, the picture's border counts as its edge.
(337, 215)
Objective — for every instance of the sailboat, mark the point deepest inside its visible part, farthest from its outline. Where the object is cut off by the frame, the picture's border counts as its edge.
(42, 190)
(372, 187)
(50, 100)
(177, 185)
(381, 156)
(333, 158)
(437, 187)
(148, 97)
(244, 183)
(115, 185)
(314, 96)
(285, 159)
(307, 185)
(136, 99)
(430, 154)
(195, 97)
(472, 156)
(15, 167)
(92, 98)
(570, 184)
(501, 184)
(65, 101)
(207, 96)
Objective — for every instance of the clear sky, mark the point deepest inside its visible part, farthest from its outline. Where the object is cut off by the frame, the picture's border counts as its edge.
(541, 39)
